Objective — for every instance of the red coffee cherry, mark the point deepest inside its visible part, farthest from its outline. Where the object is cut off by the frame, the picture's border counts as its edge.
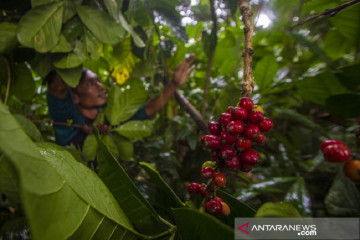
(252, 131)
(214, 128)
(337, 153)
(207, 172)
(243, 143)
(225, 208)
(225, 118)
(328, 142)
(220, 179)
(213, 207)
(236, 127)
(227, 137)
(245, 167)
(239, 113)
(211, 141)
(260, 139)
(352, 170)
(226, 152)
(193, 188)
(233, 163)
(203, 192)
(229, 109)
(246, 103)
(215, 155)
(249, 156)
(255, 117)
(266, 124)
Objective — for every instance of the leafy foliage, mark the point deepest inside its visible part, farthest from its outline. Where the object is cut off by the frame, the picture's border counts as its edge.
(306, 79)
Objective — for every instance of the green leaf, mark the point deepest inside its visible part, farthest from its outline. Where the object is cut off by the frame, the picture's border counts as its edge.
(71, 75)
(125, 147)
(336, 45)
(90, 147)
(125, 100)
(344, 105)
(40, 27)
(347, 23)
(36, 3)
(343, 197)
(63, 46)
(23, 86)
(193, 224)
(109, 142)
(112, 7)
(135, 130)
(318, 88)
(53, 183)
(349, 77)
(29, 127)
(278, 210)
(8, 39)
(137, 40)
(70, 60)
(166, 195)
(136, 207)
(265, 72)
(101, 25)
(93, 47)
(42, 64)
(9, 184)
(237, 208)
(298, 195)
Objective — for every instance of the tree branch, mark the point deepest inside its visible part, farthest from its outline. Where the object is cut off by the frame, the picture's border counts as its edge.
(213, 43)
(247, 85)
(327, 12)
(189, 108)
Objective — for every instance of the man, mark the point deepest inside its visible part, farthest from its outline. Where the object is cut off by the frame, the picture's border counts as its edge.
(82, 104)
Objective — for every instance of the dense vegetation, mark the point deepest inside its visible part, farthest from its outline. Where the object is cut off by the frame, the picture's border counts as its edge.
(306, 79)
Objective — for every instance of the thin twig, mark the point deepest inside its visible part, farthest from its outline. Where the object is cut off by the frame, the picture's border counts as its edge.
(213, 43)
(327, 12)
(248, 82)
(8, 82)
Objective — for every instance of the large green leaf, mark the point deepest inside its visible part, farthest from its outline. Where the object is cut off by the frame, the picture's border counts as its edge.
(136, 207)
(29, 127)
(193, 224)
(36, 3)
(344, 105)
(166, 196)
(40, 27)
(101, 25)
(70, 60)
(90, 147)
(318, 88)
(22, 86)
(336, 45)
(343, 198)
(62, 198)
(42, 64)
(135, 130)
(349, 77)
(265, 72)
(125, 100)
(299, 196)
(137, 40)
(63, 45)
(71, 75)
(278, 210)
(347, 23)
(125, 147)
(9, 184)
(8, 39)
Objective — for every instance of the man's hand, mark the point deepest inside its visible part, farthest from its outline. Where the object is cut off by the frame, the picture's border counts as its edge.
(183, 70)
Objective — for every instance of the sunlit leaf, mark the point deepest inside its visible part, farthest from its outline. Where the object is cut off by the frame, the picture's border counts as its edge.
(278, 209)
(8, 39)
(40, 27)
(135, 130)
(265, 72)
(90, 147)
(125, 147)
(101, 24)
(62, 46)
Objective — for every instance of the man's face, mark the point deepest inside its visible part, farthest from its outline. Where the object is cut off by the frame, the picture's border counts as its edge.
(90, 93)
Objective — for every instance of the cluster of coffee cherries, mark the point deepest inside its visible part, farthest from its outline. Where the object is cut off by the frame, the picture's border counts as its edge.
(230, 141)
(337, 151)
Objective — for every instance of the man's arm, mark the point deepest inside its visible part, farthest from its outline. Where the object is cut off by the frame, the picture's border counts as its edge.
(181, 74)
(57, 87)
